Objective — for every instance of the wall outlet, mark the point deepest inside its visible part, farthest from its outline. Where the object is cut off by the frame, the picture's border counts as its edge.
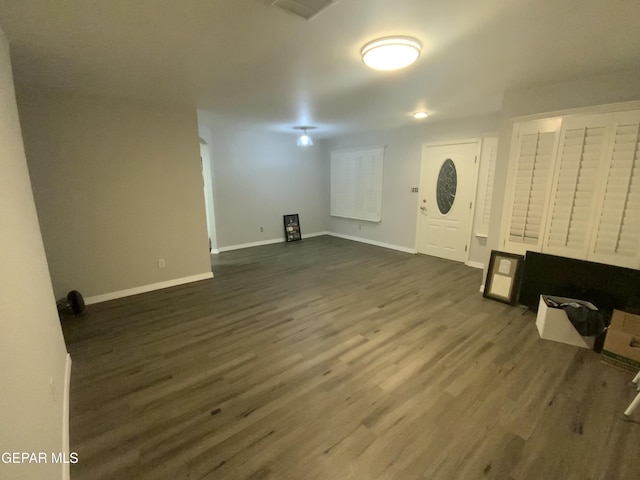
(161, 263)
(261, 229)
(52, 386)
(359, 226)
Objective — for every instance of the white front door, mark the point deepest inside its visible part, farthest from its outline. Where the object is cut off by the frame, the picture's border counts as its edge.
(446, 195)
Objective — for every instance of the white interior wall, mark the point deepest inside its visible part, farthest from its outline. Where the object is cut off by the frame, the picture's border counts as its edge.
(402, 163)
(32, 350)
(118, 186)
(258, 178)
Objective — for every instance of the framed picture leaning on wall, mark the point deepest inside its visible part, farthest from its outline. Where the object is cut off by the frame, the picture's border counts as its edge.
(503, 277)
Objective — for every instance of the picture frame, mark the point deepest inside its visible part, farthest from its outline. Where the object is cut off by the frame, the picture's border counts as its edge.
(503, 277)
(292, 227)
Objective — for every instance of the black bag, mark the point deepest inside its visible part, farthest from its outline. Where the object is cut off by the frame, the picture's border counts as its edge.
(586, 321)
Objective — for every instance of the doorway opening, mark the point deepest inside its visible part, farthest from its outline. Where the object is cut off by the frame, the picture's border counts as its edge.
(207, 176)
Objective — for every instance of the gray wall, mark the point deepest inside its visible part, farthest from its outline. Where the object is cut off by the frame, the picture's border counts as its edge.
(32, 351)
(401, 172)
(117, 186)
(580, 93)
(259, 177)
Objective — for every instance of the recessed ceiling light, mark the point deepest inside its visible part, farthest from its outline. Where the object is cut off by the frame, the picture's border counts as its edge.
(420, 115)
(391, 53)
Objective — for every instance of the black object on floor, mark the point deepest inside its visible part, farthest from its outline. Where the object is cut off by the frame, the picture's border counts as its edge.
(73, 302)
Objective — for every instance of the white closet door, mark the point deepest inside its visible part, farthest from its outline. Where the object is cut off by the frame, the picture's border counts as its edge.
(616, 240)
(583, 143)
(534, 152)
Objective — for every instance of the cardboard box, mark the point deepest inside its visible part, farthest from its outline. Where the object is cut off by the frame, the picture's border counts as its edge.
(622, 345)
(553, 323)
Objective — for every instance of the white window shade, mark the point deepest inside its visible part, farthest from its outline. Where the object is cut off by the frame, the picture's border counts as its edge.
(583, 141)
(593, 211)
(356, 184)
(531, 180)
(617, 234)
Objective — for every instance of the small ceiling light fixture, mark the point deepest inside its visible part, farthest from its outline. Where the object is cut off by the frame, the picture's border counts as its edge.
(304, 140)
(420, 115)
(391, 53)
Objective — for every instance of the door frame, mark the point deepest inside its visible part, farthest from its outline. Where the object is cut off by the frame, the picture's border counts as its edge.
(476, 165)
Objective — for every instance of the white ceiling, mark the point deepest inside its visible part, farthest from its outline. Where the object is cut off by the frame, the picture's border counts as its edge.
(251, 64)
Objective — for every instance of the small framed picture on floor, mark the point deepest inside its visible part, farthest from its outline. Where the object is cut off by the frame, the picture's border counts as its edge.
(503, 277)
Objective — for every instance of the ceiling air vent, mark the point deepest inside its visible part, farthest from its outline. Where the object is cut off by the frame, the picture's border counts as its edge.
(306, 9)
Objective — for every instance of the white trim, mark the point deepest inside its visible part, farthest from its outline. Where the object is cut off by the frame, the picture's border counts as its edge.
(604, 108)
(373, 242)
(214, 251)
(66, 474)
(251, 244)
(357, 149)
(356, 218)
(473, 264)
(315, 234)
(452, 142)
(240, 246)
(482, 288)
(146, 288)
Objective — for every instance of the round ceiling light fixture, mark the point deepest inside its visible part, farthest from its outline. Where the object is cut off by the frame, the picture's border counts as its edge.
(391, 53)
(420, 115)
(304, 140)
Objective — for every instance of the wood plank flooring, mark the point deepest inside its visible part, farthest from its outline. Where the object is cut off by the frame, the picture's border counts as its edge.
(328, 359)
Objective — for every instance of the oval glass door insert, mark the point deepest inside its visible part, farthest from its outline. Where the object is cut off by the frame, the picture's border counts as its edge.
(447, 186)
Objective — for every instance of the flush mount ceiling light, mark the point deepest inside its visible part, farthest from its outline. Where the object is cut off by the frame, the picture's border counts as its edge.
(391, 53)
(420, 115)
(304, 140)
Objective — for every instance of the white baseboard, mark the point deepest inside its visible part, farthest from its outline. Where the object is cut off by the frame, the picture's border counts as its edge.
(316, 234)
(215, 251)
(265, 242)
(250, 244)
(66, 474)
(373, 242)
(146, 288)
(473, 264)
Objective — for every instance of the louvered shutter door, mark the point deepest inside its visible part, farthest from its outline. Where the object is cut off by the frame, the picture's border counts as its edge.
(617, 234)
(583, 142)
(534, 154)
(484, 194)
(491, 173)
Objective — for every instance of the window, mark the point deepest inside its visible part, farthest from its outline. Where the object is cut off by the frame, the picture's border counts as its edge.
(356, 184)
(616, 239)
(535, 146)
(575, 188)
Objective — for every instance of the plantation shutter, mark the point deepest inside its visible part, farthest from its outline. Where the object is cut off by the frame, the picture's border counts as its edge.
(534, 153)
(617, 234)
(582, 145)
(485, 186)
(356, 184)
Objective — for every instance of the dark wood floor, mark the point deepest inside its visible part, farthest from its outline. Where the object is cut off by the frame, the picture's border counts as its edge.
(328, 359)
